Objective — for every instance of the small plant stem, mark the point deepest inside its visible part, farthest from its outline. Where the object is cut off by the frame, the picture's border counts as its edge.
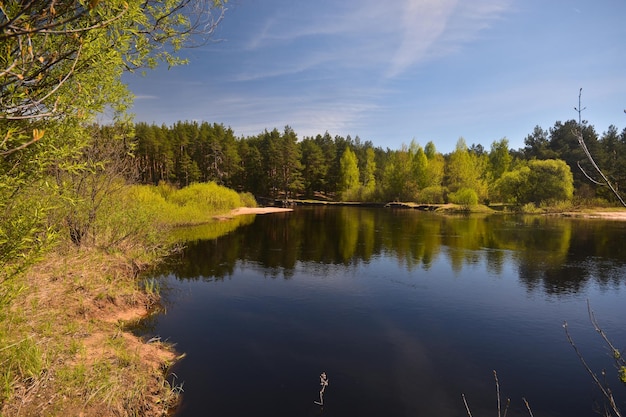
(469, 413)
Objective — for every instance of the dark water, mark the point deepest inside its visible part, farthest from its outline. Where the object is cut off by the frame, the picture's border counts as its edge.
(405, 311)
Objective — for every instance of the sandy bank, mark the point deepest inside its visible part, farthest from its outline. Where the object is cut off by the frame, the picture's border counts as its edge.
(607, 215)
(252, 210)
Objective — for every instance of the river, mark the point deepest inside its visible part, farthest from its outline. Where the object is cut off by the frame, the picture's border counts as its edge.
(405, 311)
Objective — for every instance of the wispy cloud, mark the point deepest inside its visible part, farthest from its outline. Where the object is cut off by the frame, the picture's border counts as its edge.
(398, 34)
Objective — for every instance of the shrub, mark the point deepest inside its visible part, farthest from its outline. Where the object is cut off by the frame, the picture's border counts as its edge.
(465, 197)
(556, 206)
(530, 208)
(432, 195)
(247, 200)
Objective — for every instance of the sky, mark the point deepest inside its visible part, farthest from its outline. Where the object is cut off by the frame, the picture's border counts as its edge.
(394, 71)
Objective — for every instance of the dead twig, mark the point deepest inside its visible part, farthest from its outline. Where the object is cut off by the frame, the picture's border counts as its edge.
(604, 389)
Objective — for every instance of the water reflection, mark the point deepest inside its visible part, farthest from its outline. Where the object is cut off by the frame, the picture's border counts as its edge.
(551, 254)
(427, 304)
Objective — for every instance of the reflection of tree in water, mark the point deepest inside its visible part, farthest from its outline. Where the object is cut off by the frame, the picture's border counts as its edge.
(568, 254)
(555, 255)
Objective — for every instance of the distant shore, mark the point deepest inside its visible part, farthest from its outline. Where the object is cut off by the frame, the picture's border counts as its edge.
(251, 210)
(604, 214)
(258, 210)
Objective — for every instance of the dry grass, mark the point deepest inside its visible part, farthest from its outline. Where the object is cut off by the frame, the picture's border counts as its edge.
(68, 351)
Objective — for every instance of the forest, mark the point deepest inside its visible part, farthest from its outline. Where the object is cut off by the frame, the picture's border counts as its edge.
(551, 167)
(84, 207)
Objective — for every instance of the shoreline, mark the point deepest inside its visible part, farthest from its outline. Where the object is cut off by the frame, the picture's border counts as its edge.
(242, 211)
(77, 310)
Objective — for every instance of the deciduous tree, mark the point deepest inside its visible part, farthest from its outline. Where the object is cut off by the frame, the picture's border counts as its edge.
(349, 172)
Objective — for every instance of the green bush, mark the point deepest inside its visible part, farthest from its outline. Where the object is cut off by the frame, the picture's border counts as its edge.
(465, 197)
(530, 208)
(432, 195)
(195, 204)
(556, 206)
(247, 200)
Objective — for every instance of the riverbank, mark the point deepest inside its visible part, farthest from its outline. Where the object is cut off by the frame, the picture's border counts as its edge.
(617, 213)
(254, 210)
(68, 334)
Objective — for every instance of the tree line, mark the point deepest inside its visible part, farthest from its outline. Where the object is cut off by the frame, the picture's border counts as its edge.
(277, 164)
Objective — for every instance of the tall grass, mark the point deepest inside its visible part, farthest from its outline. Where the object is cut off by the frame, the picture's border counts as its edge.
(51, 316)
(195, 204)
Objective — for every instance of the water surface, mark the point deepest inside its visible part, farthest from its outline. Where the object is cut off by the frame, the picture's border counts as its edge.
(405, 311)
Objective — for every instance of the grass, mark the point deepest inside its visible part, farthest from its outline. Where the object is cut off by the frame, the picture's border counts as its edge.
(64, 348)
(65, 351)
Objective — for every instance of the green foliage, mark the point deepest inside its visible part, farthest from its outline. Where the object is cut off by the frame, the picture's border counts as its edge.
(556, 206)
(314, 167)
(465, 197)
(247, 200)
(61, 65)
(399, 183)
(20, 359)
(466, 170)
(432, 195)
(530, 208)
(383, 175)
(195, 204)
(64, 61)
(349, 174)
(538, 181)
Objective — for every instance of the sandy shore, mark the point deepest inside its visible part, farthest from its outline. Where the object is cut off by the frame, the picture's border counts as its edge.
(258, 210)
(608, 215)
(252, 210)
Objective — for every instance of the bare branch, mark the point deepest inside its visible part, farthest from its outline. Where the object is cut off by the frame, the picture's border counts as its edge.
(528, 407)
(581, 140)
(495, 376)
(469, 413)
(606, 392)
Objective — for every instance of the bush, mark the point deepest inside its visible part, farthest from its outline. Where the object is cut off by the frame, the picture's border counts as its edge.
(195, 204)
(432, 195)
(465, 197)
(530, 208)
(556, 206)
(247, 200)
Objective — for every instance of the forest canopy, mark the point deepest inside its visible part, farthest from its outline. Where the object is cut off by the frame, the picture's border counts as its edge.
(279, 165)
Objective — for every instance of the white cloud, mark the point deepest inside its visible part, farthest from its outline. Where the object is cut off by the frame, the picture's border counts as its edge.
(389, 36)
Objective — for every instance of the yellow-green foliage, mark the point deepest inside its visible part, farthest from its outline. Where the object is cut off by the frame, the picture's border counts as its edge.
(432, 195)
(247, 200)
(195, 204)
(464, 196)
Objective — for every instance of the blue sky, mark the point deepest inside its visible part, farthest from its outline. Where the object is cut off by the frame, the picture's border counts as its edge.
(396, 70)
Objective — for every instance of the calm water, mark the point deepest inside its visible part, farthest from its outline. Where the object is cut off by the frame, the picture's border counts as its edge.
(404, 310)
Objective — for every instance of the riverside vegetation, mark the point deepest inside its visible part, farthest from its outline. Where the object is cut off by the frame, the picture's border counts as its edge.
(65, 350)
(77, 226)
